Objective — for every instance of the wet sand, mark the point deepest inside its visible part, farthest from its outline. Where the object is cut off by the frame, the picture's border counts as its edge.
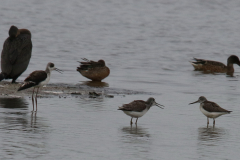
(89, 88)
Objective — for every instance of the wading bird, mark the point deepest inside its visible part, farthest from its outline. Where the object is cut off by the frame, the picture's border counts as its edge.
(38, 79)
(138, 108)
(210, 109)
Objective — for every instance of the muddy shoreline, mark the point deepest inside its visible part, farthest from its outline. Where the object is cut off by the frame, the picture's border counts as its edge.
(86, 89)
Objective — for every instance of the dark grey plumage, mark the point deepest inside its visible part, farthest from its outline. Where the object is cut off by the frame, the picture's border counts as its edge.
(210, 106)
(16, 53)
(210, 109)
(137, 106)
(213, 107)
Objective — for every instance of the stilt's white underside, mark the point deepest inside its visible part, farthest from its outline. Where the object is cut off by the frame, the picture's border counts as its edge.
(45, 82)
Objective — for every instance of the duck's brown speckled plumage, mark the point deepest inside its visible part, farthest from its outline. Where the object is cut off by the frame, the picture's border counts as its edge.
(96, 71)
(214, 66)
(16, 53)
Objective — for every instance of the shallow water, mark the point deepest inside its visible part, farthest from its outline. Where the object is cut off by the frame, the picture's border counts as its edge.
(147, 46)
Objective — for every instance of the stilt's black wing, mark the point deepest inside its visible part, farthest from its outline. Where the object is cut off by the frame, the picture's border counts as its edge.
(33, 79)
(36, 76)
(26, 85)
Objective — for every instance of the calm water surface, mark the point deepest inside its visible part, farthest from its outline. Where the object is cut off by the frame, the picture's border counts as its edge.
(147, 46)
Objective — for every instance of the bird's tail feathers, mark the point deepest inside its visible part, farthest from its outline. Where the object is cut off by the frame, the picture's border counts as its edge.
(26, 85)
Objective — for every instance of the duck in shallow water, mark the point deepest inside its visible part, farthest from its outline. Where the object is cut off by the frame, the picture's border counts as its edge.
(16, 53)
(214, 66)
(96, 71)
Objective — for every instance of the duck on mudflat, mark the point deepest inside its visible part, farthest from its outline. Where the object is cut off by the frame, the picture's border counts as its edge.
(96, 71)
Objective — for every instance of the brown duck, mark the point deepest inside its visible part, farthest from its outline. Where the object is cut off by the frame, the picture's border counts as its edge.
(214, 66)
(16, 53)
(96, 71)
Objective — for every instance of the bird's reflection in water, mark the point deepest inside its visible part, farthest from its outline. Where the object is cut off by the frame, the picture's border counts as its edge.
(96, 84)
(211, 136)
(135, 139)
(15, 113)
(135, 131)
(210, 139)
(33, 120)
(16, 116)
(22, 132)
(13, 103)
(200, 73)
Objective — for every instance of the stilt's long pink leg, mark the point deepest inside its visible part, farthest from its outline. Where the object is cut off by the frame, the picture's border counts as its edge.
(36, 98)
(33, 99)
